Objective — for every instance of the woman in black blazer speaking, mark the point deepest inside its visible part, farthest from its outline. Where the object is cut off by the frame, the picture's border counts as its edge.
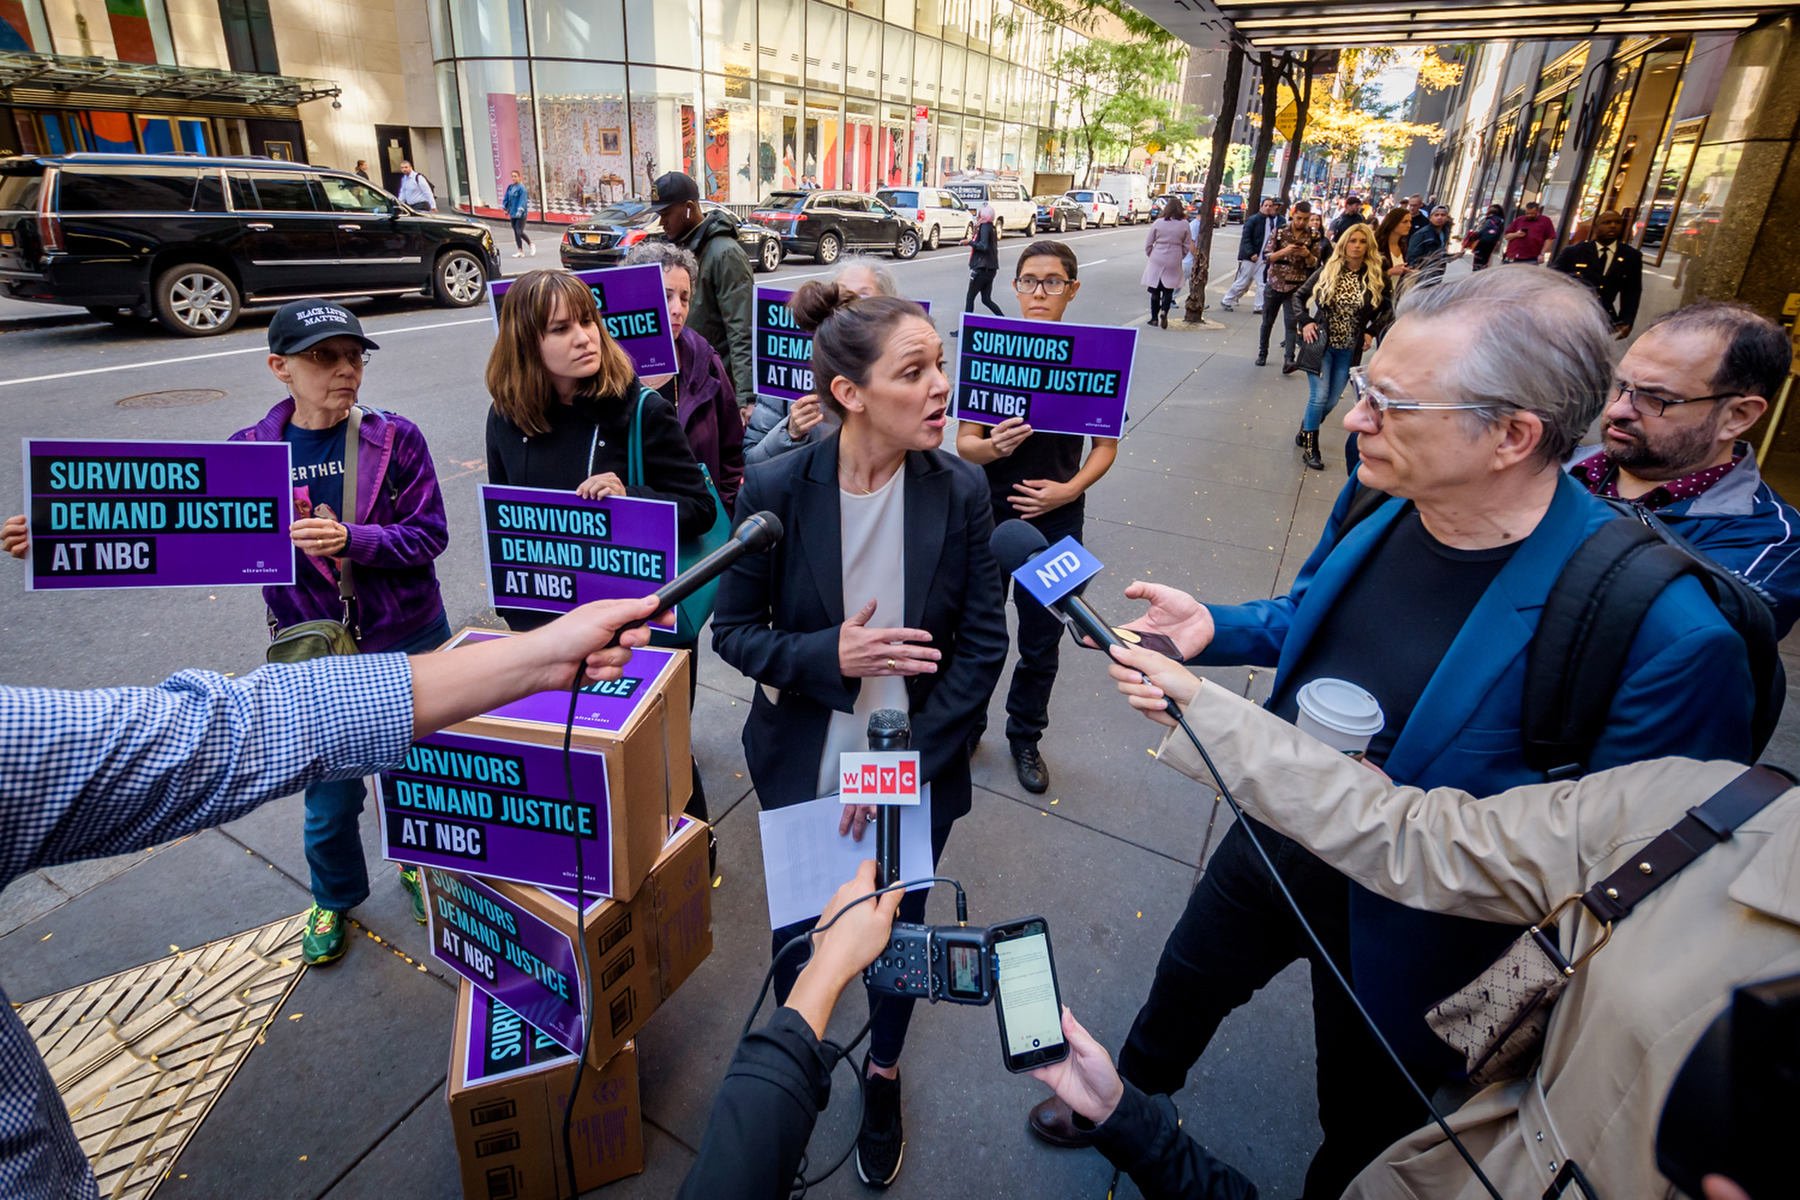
(884, 594)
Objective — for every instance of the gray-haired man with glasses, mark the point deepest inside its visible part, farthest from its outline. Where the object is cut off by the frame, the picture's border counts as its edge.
(1685, 394)
(1465, 413)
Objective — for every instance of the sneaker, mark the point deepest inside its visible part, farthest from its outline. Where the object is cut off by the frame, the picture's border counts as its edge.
(531, 249)
(1226, 307)
(409, 879)
(881, 1143)
(323, 941)
(518, 254)
(1033, 771)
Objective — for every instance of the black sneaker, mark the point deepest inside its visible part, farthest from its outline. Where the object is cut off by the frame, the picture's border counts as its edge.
(1033, 771)
(881, 1143)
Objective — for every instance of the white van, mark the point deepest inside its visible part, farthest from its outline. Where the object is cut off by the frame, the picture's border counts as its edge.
(1014, 210)
(1132, 191)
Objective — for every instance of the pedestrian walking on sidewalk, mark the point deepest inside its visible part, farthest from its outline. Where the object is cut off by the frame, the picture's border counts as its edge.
(1341, 304)
(415, 189)
(1251, 240)
(517, 202)
(984, 262)
(1289, 264)
(1485, 236)
(1166, 243)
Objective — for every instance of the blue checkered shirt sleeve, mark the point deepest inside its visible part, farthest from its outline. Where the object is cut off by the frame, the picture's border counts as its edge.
(108, 771)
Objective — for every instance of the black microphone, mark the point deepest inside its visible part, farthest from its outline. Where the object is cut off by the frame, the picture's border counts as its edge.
(757, 533)
(889, 729)
(1013, 543)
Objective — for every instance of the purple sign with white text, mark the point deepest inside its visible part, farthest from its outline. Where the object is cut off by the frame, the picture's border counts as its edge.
(514, 957)
(503, 1044)
(106, 514)
(634, 308)
(606, 705)
(499, 808)
(1059, 378)
(783, 349)
(555, 551)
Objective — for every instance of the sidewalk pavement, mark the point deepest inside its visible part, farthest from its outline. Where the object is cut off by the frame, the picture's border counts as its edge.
(346, 1098)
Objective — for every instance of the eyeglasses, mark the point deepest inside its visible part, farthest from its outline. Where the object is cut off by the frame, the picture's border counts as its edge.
(1380, 403)
(1653, 404)
(1027, 284)
(329, 359)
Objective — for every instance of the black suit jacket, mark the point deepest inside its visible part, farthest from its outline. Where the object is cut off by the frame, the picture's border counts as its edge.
(1619, 288)
(779, 613)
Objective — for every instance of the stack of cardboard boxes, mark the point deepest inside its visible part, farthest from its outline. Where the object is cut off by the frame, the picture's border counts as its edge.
(484, 808)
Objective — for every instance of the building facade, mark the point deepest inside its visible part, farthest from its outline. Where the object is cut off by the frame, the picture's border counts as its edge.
(592, 99)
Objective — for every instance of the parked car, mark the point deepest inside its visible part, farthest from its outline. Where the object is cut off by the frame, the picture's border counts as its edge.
(940, 216)
(822, 225)
(1013, 209)
(1654, 226)
(1233, 204)
(1131, 189)
(603, 239)
(192, 240)
(1058, 214)
(1101, 209)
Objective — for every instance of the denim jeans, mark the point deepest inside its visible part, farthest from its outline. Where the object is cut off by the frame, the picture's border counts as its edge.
(334, 853)
(1323, 389)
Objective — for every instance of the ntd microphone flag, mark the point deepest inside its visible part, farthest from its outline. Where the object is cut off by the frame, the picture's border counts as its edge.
(1057, 571)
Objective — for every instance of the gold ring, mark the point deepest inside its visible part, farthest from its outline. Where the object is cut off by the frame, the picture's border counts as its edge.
(892, 665)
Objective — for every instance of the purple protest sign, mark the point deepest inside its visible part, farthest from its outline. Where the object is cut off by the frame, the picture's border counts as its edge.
(634, 308)
(111, 514)
(606, 705)
(1060, 378)
(514, 957)
(503, 1044)
(501, 809)
(555, 551)
(783, 349)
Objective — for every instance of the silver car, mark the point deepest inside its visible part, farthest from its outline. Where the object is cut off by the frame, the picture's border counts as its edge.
(940, 216)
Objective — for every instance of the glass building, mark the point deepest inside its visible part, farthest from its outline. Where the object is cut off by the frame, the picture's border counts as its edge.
(592, 99)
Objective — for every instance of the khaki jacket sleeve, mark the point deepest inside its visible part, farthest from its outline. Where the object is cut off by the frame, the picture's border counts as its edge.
(1508, 858)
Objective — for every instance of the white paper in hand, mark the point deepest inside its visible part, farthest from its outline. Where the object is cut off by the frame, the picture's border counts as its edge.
(806, 860)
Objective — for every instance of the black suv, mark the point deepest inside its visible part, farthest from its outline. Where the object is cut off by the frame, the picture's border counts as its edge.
(822, 225)
(191, 240)
(603, 239)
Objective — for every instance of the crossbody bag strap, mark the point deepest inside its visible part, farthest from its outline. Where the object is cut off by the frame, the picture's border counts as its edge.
(634, 465)
(346, 584)
(1705, 826)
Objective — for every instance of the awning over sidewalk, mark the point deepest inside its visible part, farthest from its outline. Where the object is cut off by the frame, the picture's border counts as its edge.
(33, 77)
(1332, 23)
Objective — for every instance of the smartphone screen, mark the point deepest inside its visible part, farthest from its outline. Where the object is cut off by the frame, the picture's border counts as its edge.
(1026, 998)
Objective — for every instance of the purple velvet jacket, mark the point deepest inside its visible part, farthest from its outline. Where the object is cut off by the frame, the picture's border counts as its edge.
(708, 410)
(397, 529)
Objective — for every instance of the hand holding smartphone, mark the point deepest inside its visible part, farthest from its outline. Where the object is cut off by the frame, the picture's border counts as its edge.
(1028, 1003)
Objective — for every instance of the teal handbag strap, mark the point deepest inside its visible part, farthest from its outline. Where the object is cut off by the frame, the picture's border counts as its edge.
(634, 470)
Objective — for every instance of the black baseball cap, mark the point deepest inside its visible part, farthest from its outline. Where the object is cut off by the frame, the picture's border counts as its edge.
(672, 189)
(303, 323)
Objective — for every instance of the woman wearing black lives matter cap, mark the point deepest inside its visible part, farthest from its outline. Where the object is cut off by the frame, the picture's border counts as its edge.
(884, 594)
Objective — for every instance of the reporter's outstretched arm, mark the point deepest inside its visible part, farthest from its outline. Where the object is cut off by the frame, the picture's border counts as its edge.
(1139, 1134)
(780, 1078)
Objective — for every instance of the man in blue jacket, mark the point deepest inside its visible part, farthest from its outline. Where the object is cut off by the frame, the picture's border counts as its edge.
(1689, 388)
(1430, 603)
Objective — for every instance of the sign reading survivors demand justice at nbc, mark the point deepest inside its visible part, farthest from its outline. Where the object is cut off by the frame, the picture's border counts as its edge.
(634, 308)
(783, 349)
(499, 808)
(1059, 378)
(516, 958)
(554, 551)
(158, 514)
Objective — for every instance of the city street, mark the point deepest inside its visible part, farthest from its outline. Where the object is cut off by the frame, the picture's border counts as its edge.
(346, 1098)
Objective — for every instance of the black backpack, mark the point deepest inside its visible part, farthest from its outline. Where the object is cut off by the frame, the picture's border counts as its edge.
(1591, 618)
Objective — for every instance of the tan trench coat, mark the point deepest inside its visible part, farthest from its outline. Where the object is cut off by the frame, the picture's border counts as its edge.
(1629, 1018)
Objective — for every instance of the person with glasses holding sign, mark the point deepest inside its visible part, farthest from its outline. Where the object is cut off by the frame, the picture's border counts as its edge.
(1043, 478)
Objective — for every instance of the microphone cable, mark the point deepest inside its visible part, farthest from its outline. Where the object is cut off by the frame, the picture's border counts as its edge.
(1174, 710)
(584, 969)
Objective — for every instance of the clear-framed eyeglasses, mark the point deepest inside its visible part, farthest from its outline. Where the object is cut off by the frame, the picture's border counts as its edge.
(328, 359)
(1380, 403)
(1655, 404)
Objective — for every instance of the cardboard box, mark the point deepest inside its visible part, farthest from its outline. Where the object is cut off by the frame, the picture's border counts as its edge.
(508, 1087)
(489, 796)
(678, 895)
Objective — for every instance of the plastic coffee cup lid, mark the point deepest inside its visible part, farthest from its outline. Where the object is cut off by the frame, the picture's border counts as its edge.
(1343, 706)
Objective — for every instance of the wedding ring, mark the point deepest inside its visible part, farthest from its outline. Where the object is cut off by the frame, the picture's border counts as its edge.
(892, 665)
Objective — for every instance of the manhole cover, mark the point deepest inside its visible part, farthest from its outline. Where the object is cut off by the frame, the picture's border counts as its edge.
(174, 398)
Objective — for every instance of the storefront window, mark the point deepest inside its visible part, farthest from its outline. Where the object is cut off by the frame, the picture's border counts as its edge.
(665, 124)
(896, 64)
(975, 84)
(1606, 145)
(968, 151)
(593, 29)
(824, 46)
(950, 85)
(862, 57)
(822, 139)
(928, 56)
(928, 17)
(489, 27)
(1670, 176)
(780, 41)
(860, 124)
(898, 12)
(729, 36)
(894, 161)
(728, 146)
(497, 112)
(455, 152)
(946, 146)
(587, 138)
(663, 31)
(778, 139)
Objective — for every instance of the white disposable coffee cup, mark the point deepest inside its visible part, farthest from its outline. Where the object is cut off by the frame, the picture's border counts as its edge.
(1340, 714)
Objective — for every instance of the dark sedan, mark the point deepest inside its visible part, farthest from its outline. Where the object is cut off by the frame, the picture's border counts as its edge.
(1233, 204)
(1056, 214)
(603, 239)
